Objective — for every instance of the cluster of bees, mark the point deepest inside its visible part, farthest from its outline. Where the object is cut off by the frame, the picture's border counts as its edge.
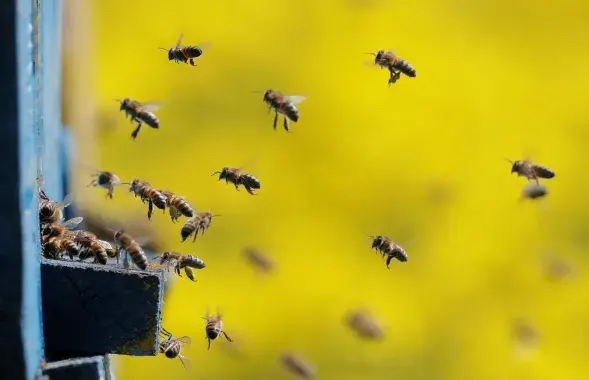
(58, 237)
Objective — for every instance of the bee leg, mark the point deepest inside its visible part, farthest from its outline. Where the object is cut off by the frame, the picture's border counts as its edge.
(192, 62)
(93, 183)
(227, 337)
(275, 120)
(177, 270)
(136, 131)
(249, 189)
(149, 209)
(389, 261)
(195, 233)
(209, 343)
(286, 124)
(236, 186)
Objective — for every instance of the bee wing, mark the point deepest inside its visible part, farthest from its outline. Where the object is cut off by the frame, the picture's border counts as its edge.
(185, 361)
(73, 222)
(204, 45)
(142, 240)
(295, 99)
(185, 340)
(151, 106)
(104, 244)
(68, 200)
(179, 41)
(371, 65)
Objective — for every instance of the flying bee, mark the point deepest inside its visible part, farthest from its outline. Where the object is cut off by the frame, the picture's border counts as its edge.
(296, 365)
(199, 222)
(180, 261)
(49, 211)
(258, 259)
(106, 180)
(237, 177)
(364, 325)
(171, 347)
(131, 248)
(140, 113)
(214, 328)
(530, 170)
(148, 194)
(186, 54)
(534, 191)
(285, 105)
(388, 248)
(177, 206)
(395, 65)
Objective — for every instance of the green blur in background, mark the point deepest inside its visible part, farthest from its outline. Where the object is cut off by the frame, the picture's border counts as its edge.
(421, 161)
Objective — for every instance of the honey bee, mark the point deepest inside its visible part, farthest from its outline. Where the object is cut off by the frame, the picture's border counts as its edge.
(395, 65)
(185, 54)
(199, 222)
(90, 247)
(148, 194)
(296, 365)
(364, 325)
(171, 347)
(530, 170)
(140, 113)
(285, 105)
(106, 180)
(534, 191)
(388, 248)
(57, 239)
(131, 248)
(179, 261)
(49, 211)
(237, 177)
(177, 206)
(214, 328)
(258, 259)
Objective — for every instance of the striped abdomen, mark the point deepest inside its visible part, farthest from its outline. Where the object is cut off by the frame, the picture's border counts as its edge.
(543, 172)
(290, 111)
(148, 118)
(191, 51)
(173, 350)
(213, 328)
(156, 197)
(250, 181)
(137, 255)
(70, 247)
(190, 227)
(404, 67)
(181, 205)
(192, 261)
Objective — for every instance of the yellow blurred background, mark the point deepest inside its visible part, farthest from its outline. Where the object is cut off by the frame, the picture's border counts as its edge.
(421, 161)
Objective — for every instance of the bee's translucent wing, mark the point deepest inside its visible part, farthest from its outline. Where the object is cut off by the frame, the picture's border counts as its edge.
(68, 200)
(204, 46)
(179, 39)
(73, 222)
(104, 244)
(142, 240)
(185, 340)
(151, 106)
(295, 99)
(185, 362)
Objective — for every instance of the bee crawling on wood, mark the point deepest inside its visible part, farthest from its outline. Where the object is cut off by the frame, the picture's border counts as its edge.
(238, 177)
(388, 248)
(185, 54)
(199, 222)
(177, 206)
(140, 113)
(530, 170)
(172, 347)
(57, 239)
(285, 105)
(105, 180)
(395, 65)
(179, 261)
(214, 328)
(148, 194)
(132, 248)
(298, 366)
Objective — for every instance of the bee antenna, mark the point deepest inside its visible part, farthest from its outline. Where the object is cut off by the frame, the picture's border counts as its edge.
(374, 54)
(217, 172)
(164, 49)
(511, 162)
(215, 215)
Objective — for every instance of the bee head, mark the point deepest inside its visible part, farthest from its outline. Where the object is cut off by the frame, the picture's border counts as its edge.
(378, 55)
(516, 167)
(171, 55)
(223, 173)
(133, 185)
(118, 234)
(124, 103)
(267, 94)
(376, 241)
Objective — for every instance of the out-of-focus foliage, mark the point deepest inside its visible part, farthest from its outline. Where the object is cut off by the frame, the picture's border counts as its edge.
(421, 161)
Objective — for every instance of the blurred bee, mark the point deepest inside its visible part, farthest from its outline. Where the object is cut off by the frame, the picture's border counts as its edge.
(148, 194)
(171, 347)
(49, 211)
(364, 325)
(185, 54)
(258, 259)
(285, 105)
(296, 365)
(199, 222)
(106, 180)
(140, 113)
(530, 170)
(534, 191)
(237, 177)
(395, 65)
(214, 328)
(179, 261)
(131, 248)
(388, 248)
(56, 239)
(525, 336)
(177, 206)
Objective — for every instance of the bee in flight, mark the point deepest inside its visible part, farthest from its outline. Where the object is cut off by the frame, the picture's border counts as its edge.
(186, 54)
(237, 177)
(177, 206)
(395, 65)
(285, 105)
(140, 113)
(199, 222)
(534, 191)
(530, 170)
(364, 325)
(172, 347)
(148, 194)
(131, 248)
(214, 328)
(258, 260)
(388, 248)
(179, 261)
(298, 366)
(106, 180)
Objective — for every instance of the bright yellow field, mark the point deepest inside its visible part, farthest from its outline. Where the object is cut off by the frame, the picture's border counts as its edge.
(496, 79)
